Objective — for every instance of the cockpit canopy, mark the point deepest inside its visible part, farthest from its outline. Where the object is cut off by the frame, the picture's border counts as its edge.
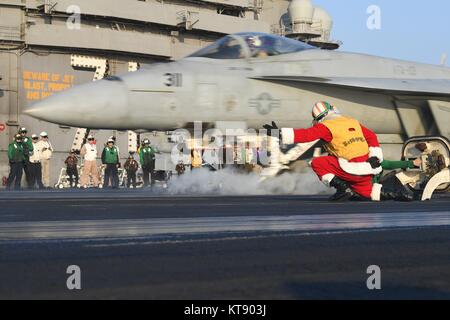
(251, 45)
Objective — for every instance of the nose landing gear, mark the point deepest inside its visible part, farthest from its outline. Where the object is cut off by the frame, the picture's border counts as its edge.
(434, 174)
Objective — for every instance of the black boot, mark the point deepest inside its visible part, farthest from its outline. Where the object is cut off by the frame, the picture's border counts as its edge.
(343, 191)
(397, 194)
(393, 189)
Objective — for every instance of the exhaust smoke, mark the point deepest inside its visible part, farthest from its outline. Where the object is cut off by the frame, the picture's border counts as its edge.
(232, 182)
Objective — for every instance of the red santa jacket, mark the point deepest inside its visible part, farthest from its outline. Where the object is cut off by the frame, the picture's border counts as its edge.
(356, 166)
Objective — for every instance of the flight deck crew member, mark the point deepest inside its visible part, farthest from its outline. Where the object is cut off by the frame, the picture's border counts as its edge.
(110, 158)
(394, 165)
(35, 166)
(114, 138)
(131, 166)
(16, 156)
(249, 156)
(196, 159)
(147, 158)
(89, 154)
(180, 168)
(72, 168)
(28, 150)
(46, 149)
(352, 148)
(391, 181)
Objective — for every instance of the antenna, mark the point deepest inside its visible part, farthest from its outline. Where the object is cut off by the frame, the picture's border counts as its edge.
(444, 59)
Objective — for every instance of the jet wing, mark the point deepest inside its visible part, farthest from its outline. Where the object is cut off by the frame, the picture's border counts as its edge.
(390, 86)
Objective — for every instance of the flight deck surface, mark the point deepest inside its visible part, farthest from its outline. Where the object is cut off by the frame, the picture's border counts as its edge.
(139, 244)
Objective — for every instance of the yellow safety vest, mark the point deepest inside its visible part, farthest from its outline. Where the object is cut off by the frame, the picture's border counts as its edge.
(197, 159)
(348, 139)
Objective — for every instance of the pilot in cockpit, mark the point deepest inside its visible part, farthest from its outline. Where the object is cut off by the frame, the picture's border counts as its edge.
(251, 45)
(256, 45)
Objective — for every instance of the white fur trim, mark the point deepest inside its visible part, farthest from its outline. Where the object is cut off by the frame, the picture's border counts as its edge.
(326, 179)
(376, 192)
(377, 171)
(376, 152)
(287, 134)
(358, 168)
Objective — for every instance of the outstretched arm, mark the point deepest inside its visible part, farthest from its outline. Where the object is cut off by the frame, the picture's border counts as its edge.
(294, 136)
(392, 165)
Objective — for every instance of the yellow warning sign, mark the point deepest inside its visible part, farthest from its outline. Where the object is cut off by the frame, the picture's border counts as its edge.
(40, 85)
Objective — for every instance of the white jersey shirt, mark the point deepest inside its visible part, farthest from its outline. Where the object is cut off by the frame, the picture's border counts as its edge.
(46, 149)
(36, 156)
(91, 152)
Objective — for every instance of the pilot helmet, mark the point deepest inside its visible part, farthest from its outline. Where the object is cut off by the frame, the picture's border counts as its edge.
(254, 41)
(321, 110)
(146, 141)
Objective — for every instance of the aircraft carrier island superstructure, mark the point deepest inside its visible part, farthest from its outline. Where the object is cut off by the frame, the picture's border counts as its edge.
(49, 46)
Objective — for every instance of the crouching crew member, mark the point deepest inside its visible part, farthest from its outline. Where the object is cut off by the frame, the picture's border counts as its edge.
(16, 158)
(395, 165)
(110, 158)
(390, 181)
(351, 147)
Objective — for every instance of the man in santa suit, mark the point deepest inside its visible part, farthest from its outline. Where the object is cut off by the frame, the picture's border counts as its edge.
(354, 155)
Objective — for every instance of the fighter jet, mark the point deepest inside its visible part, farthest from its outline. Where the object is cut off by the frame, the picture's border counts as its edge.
(250, 79)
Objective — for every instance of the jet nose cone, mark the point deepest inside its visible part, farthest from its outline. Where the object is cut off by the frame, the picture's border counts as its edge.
(100, 104)
(40, 109)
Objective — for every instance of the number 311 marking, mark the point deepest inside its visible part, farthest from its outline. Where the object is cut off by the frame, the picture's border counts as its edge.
(173, 79)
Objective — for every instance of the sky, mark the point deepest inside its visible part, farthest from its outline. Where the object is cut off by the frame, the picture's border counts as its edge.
(410, 29)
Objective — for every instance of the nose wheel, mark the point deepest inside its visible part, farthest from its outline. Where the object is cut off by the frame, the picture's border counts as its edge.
(439, 179)
(434, 174)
